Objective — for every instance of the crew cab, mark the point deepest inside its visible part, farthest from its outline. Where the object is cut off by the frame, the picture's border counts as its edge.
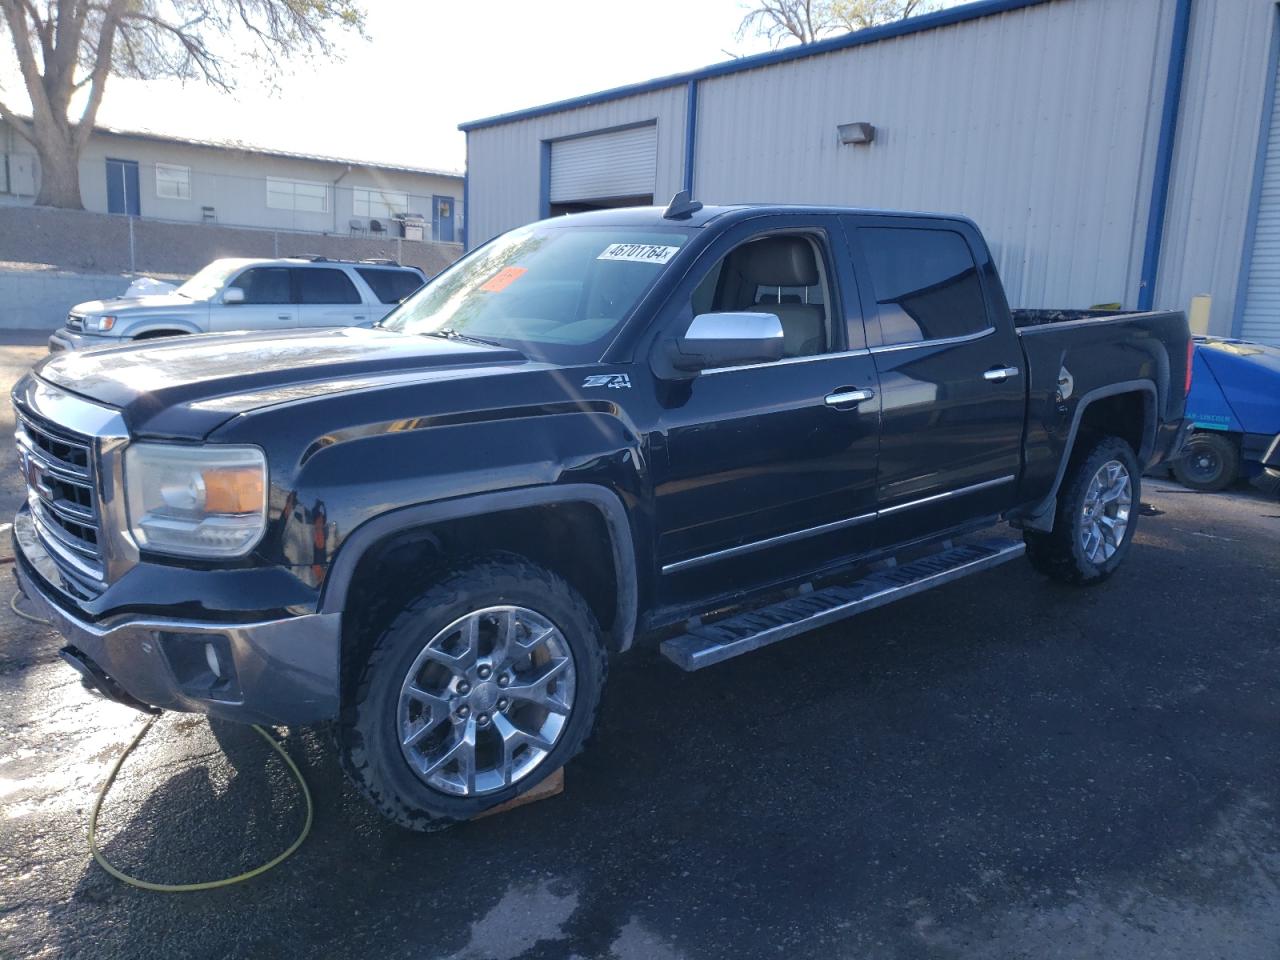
(247, 294)
(709, 428)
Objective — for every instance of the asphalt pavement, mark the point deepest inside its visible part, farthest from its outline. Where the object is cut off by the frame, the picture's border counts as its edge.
(1002, 768)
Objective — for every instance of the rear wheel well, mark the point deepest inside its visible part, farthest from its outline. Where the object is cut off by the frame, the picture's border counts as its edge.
(1123, 415)
(572, 539)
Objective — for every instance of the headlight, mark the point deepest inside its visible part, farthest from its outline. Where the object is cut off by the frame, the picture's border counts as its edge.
(101, 324)
(196, 501)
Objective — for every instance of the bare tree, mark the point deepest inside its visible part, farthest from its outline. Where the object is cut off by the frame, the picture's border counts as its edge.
(860, 14)
(69, 48)
(782, 21)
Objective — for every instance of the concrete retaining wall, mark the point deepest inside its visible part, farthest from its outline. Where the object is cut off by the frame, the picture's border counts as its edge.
(51, 260)
(94, 242)
(38, 299)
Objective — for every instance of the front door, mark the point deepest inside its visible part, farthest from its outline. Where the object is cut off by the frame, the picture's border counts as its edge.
(949, 365)
(442, 219)
(268, 302)
(767, 470)
(122, 188)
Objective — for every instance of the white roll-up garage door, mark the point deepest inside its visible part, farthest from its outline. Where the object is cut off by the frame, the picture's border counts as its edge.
(1262, 295)
(621, 163)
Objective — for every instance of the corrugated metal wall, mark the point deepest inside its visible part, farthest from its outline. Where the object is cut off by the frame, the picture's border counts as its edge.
(1210, 191)
(505, 162)
(1040, 124)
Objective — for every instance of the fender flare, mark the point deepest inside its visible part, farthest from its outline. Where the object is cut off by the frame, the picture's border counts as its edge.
(1040, 517)
(179, 328)
(364, 537)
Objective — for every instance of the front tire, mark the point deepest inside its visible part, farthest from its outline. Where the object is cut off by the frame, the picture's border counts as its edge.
(1210, 463)
(480, 688)
(1096, 516)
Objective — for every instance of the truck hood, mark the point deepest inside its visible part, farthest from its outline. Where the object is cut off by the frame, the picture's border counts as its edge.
(184, 387)
(156, 303)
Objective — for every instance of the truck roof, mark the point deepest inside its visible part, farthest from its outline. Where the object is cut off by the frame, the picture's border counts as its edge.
(732, 213)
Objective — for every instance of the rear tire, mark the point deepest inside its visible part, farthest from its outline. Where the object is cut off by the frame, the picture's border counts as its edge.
(480, 688)
(1096, 516)
(1209, 463)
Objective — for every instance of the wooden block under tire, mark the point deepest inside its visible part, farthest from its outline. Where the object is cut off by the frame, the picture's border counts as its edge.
(547, 789)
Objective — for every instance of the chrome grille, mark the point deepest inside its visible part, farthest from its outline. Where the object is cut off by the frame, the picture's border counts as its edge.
(75, 321)
(59, 469)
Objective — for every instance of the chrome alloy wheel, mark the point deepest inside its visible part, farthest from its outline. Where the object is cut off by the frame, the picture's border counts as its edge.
(1105, 515)
(486, 700)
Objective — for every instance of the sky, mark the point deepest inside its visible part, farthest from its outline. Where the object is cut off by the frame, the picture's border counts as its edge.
(399, 96)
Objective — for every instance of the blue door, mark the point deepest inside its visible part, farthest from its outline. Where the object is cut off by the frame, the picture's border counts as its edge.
(442, 219)
(122, 187)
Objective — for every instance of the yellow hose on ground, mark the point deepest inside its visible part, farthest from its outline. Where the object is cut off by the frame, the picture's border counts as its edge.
(207, 884)
(111, 778)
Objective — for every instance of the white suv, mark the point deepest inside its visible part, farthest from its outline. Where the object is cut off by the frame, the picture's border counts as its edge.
(236, 294)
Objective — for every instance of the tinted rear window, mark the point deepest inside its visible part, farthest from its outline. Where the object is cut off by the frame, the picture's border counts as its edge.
(926, 283)
(390, 286)
(325, 285)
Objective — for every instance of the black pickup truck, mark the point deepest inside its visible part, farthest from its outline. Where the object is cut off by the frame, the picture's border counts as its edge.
(708, 428)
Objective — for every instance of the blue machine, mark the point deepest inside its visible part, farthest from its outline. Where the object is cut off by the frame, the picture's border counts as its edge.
(1234, 407)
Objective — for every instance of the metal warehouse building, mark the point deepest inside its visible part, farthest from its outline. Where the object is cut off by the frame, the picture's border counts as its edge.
(1111, 150)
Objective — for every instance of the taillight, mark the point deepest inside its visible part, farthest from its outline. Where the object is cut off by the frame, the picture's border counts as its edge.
(1191, 355)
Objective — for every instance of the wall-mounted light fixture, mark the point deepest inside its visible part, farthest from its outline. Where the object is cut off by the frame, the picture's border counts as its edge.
(856, 132)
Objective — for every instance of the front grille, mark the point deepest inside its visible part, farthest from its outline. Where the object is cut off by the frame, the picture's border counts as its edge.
(59, 469)
(75, 321)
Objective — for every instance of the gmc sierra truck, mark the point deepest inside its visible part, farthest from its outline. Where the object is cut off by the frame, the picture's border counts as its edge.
(707, 428)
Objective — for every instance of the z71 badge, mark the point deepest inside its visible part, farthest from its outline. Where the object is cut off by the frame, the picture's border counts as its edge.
(614, 381)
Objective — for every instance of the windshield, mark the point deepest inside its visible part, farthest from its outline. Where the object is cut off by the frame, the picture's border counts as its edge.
(209, 280)
(553, 292)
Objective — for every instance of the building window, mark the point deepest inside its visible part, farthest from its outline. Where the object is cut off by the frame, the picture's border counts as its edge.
(301, 195)
(173, 182)
(378, 203)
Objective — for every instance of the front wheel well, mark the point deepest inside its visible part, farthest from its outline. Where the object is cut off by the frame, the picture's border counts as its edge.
(163, 332)
(571, 539)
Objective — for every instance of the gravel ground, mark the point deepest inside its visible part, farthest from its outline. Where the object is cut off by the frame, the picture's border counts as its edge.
(1002, 768)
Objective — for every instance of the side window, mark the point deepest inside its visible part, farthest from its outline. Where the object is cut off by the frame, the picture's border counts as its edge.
(265, 285)
(783, 274)
(925, 282)
(390, 286)
(325, 285)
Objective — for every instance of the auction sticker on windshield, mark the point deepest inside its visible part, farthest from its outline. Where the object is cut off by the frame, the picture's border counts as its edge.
(638, 252)
(503, 279)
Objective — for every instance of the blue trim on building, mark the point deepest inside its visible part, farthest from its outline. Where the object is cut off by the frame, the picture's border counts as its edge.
(690, 135)
(1259, 173)
(466, 190)
(900, 28)
(1164, 155)
(544, 180)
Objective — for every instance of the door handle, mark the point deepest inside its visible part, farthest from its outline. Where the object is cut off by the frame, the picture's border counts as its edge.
(1000, 374)
(848, 395)
(283, 316)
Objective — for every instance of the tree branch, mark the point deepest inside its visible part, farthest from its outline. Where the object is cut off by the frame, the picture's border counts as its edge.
(101, 69)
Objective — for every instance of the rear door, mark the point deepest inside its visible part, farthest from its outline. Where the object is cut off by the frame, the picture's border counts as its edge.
(328, 298)
(390, 286)
(268, 302)
(767, 471)
(949, 367)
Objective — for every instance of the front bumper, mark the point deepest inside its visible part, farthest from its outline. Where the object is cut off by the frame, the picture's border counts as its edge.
(275, 672)
(64, 340)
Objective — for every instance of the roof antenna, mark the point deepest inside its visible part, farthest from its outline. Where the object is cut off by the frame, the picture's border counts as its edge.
(681, 207)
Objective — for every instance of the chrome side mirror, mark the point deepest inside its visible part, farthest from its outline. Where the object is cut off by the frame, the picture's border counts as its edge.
(233, 295)
(728, 340)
